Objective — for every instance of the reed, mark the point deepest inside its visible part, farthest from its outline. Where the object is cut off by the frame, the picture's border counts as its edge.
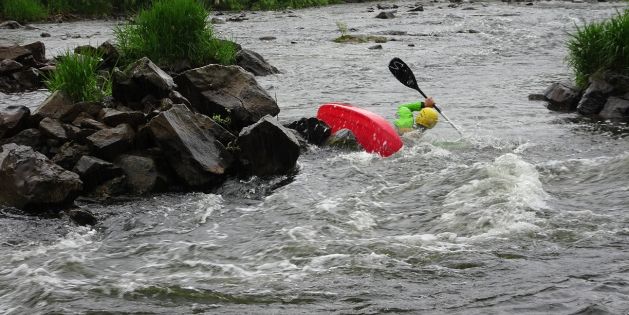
(77, 76)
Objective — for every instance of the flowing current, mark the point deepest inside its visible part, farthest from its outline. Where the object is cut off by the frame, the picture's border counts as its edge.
(527, 214)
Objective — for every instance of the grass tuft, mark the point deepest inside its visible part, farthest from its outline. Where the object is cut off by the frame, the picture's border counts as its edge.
(23, 10)
(77, 76)
(171, 31)
(601, 46)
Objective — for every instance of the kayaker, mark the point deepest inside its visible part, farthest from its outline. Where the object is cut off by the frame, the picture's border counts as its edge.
(426, 118)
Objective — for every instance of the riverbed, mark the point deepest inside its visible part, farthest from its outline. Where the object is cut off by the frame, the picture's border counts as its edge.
(526, 214)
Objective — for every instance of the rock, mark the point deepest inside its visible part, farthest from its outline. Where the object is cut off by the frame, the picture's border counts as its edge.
(28, 137)
(142, 175)
(386, 6)
(217, 21)
(229, 91)
(73, 132)
(38, 50)
(177, 98)
(386, 15)
(110, 54)
(10, 25)
(594, 97)
(615, 109)
(13, 119)
(94, 171)
(194, 153)
(114, 117)
(9, 66)
(29, 79)
(70, 153)
(267, 148)
(561, 97)
(30, 181)
(82, 217)
(86, 50)
(140, 79)
(375, 47)
(345, 139)
(418, 8)
(222, 135)
(56, 106)
(312, 129)
(268, 38)
(45, 34)
(14, 52)
(254, 63)
(110, 188)
(110, 143)
(52, 128)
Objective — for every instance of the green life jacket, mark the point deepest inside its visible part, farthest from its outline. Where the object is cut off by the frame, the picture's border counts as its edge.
(405, 115)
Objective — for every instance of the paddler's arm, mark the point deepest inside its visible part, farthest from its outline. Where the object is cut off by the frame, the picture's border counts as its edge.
(405, 115)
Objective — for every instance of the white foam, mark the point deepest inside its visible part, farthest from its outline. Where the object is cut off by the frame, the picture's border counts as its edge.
(362, 220)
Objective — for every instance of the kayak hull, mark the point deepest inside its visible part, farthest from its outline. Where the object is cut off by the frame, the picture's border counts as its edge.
(372, 131)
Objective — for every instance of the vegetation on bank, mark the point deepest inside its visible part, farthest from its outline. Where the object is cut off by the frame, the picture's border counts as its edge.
(171, 31)
(600, 46)
(35, 10)
(77, 76)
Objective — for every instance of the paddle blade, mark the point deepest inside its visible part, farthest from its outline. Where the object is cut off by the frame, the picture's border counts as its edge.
(403, 73)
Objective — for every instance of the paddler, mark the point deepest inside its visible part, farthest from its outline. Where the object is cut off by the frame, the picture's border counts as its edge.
(425, 119)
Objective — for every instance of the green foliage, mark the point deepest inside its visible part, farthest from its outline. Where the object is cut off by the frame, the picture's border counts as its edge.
(597, 47)
(171, 31)
(342, 27)
(268, 4)
(81, 7)
(223, 121)
(77, 76)
(23, 10)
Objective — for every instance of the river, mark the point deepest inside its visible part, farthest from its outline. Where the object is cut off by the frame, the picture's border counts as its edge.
(527, 214)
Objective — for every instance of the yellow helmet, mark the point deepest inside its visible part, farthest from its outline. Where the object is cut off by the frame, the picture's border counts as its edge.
(427, 117)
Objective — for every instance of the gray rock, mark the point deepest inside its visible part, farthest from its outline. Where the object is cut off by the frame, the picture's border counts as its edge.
(110, 54)
(38, 51)
(218, 21)
(52, 128)
(94, 171)
(10, 25)
(615, 109)
(14, 52)
(374, 47)
(13, 119)
(254, 63)
(594, 97)
(312, 129)
(82, 217)
(267, 148)
(29, 79)
(142, 175)
(229, 91)
(57, 106)
(70, 153)
(194, 153)
(9, 66)
(114, 117)
(386, 15)
(45, 34)
(140, 79)
(209, 124)
(562, 97)
(30, 181)
(418, 8)
(109, 143)
(177, 98)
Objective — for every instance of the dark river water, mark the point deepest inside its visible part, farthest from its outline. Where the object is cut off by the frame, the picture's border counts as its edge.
(527, 214)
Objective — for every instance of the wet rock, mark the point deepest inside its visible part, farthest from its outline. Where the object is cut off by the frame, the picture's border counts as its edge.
(312, 129)
(52, 128)
(30, 181)
(14, 52)
(228, 91)
(142, 78)
(9, 66)
(194, 153)
(267, 148)
(142, 175)
(10, 25)
(562, 97)
(386, 15)
(82, 217)
(45, 34)
(615, 109)
(13, 119)
(110, 188)
(344, 139)
(28, 137)
(110, 54)
(218, 21)
(29, 79)
(70, 153)
(254, 63)
(594, 97)
(86, 50)
(268, 38)
(94, 171)
(375, 47)
(114, 117)
(223, 135)
(73, 132)
(38, 51)
(109, 143)
(57, 106)
(85, 122)
(177, 98)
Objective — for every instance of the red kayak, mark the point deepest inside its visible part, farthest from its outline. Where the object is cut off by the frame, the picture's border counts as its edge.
(372, 131)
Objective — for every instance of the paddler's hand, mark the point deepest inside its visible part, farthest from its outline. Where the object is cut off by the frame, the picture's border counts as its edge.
(429, 102)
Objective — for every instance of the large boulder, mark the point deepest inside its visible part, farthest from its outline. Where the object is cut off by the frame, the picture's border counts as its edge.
(228, 91)
(140, 79)
(57, 106)
(109, 143)
(562, 97)
(30, 181)
(195, 154)
(254, 63)
(312, 129)
(29, 137)
(70, 153)
(94, 171)
(52, 128)
(594, 97)
(13, 119)
(267, 148)
(615, 109)
(142, 174)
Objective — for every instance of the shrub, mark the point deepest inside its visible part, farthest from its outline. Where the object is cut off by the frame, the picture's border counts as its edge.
(81, 7)
(171, 31)
(597, 47)
(77, 76)
(23, 10)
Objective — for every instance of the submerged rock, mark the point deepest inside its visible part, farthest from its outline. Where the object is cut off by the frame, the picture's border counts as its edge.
(30, 181)
(386, 15)
(312, 129)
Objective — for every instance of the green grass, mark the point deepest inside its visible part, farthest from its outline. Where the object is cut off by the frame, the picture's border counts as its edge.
(23, 10)
(598, 47)
(171, 31)
(77, 76)
(80, 7)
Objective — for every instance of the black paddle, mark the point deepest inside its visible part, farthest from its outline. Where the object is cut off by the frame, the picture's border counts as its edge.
(404, 74)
